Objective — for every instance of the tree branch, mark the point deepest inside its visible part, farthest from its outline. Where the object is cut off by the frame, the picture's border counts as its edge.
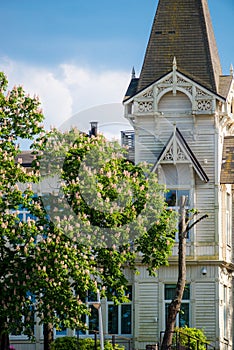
(188, 228)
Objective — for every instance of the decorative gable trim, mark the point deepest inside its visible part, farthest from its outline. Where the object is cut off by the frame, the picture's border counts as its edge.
(146, 101)
(177, 151)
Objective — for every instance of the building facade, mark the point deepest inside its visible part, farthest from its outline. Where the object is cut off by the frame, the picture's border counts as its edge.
(181, 108)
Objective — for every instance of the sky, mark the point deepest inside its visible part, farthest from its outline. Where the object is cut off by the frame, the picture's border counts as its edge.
(77, 55)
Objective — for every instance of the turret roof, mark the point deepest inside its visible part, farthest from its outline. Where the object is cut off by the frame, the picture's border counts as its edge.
(181, 29)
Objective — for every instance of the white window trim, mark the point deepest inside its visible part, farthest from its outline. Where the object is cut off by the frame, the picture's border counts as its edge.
(228, 226)
(176, 208)
(119, 319)
(110, 302)
(168, 301)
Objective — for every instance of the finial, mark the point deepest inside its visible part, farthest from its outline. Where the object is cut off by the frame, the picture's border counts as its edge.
(133, 73)
(174, 63)
(231, 70)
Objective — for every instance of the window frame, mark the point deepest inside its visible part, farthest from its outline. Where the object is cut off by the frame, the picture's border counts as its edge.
(177, 207)
(119, 309)
(90, 300)
(228, 219)
(184, 302)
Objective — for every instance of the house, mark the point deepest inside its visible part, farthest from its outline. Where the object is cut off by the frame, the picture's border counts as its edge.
(181, 108)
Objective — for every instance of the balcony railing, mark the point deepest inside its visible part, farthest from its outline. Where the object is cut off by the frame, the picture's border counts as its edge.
(183, 341)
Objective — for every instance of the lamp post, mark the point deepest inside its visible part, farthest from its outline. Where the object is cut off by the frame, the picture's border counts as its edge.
(99, 308)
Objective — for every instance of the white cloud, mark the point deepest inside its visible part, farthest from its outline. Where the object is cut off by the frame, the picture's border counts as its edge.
(90, 88)
(54, 95)
(110, 119)
(67, 89)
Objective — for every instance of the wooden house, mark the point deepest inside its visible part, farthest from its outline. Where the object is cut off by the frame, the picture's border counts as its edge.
(181, 108)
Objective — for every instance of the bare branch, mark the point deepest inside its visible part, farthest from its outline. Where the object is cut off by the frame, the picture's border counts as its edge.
(188, 228)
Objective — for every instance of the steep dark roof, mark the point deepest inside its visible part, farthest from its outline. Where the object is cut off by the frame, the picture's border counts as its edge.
(25, 158)
(227, 170)
(182, 29)
(225, 85)
(132, 88)
(177, 135)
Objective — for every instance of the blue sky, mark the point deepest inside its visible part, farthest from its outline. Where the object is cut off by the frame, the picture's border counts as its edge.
(76, 54)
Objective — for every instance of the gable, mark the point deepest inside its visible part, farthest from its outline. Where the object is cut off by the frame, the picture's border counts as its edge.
(177, 151)
(180, 89)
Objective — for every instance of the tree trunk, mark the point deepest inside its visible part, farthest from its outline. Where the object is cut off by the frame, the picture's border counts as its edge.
(48, 335)
(175, 304)
(4, 341)
(4, 336)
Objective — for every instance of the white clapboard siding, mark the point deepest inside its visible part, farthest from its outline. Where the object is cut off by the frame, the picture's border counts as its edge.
(205, 203)
(205, 307)
(147, 310)
(204, 149)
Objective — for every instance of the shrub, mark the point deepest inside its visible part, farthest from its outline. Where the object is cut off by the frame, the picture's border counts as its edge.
(108, 346)
(195, 335)
(64, 343)
(71, 343)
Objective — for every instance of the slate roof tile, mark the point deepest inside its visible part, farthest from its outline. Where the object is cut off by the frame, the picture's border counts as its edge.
(182, 29)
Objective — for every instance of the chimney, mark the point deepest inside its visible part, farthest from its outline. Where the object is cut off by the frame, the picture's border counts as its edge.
(93, 130)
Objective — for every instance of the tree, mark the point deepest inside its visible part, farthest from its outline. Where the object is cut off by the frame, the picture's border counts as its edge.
(174, 306)
(104, 211)
(20, 118)
(79, 238)
(29, 278)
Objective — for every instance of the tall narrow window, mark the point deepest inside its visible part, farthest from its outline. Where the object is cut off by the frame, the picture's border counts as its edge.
(119, 317)
(228, 219)
(225, 318)
(91, 320)
(173, 197)
(183, 316)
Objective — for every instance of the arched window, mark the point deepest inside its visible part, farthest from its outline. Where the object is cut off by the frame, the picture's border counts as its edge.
(175, 103)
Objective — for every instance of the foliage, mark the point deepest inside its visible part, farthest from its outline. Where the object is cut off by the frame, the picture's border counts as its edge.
(109, 346)
(191, 336)
(72, 343)
(83, 233)
(104, 211)
(20, 118)
(64, 343)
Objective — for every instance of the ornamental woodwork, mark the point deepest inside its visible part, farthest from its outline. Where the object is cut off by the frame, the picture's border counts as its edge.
(147, 101)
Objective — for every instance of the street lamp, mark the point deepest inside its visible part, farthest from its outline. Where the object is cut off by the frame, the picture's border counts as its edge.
(98, 306)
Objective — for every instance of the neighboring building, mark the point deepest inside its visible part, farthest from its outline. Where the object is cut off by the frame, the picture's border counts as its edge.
(128, 141)
(181, 108)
